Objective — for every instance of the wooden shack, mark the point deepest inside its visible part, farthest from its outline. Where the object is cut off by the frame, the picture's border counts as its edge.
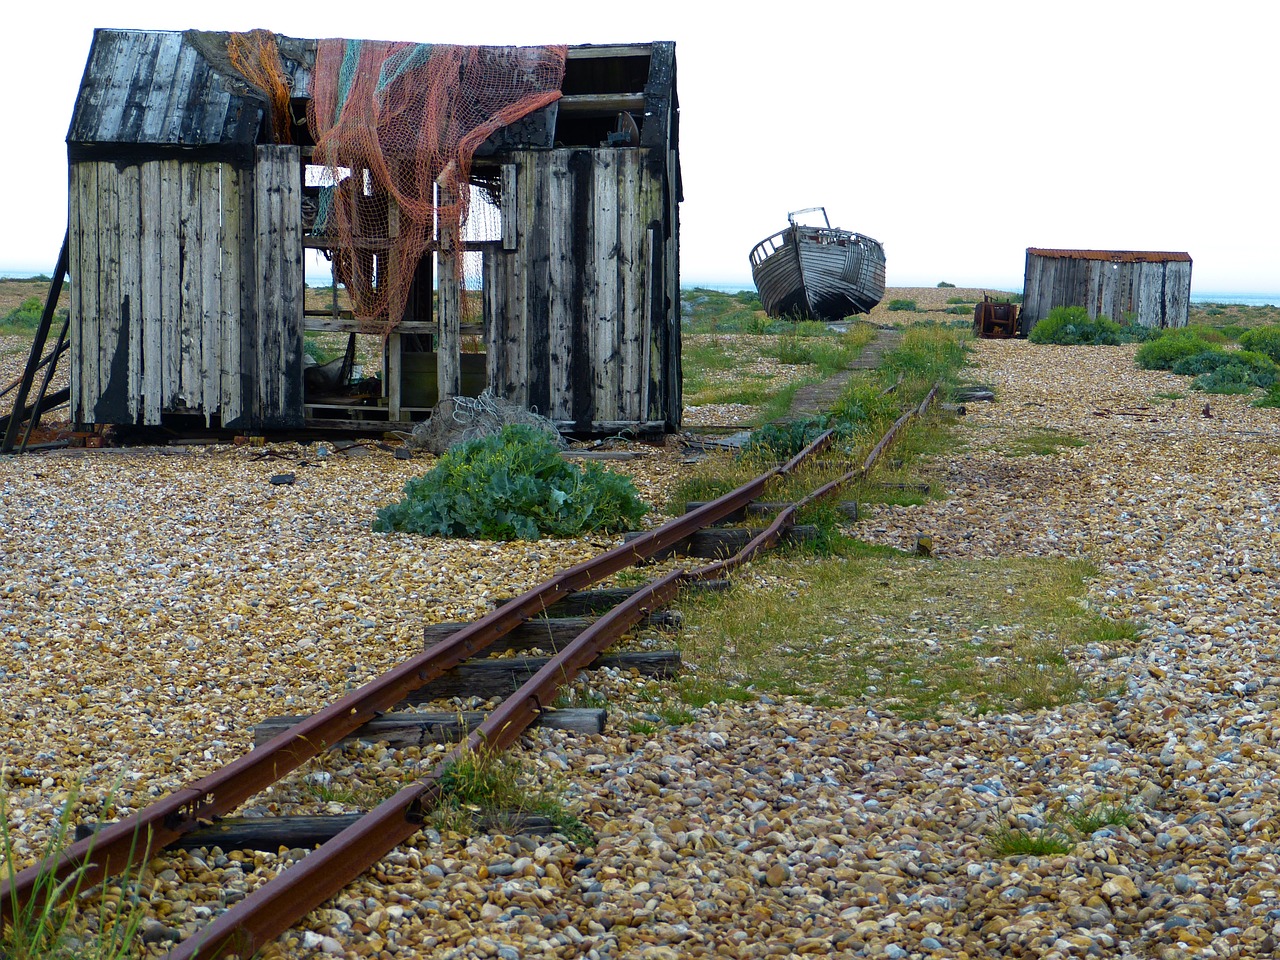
(188, 226)
(1151, 289)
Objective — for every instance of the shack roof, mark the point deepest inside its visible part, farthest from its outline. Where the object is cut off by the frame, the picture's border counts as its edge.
(1113, 256)
(178, 88)
(172, 88)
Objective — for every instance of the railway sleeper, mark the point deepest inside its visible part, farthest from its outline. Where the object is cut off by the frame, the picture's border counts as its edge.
(716, 543)
(585, 602)
(269, 834)
(758, 508)
(546, 633)
(501, 677)
(420, 728)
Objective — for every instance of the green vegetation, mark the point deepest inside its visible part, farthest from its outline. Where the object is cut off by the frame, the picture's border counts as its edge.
(53, 924)
(1105, 812)
(1050, 841)
(902, 304)
(712, 311)
(1265, 340)
(943, 285)
(1170, 347)
(1269, 399)
(1072, 326)
(959, 300)
(513, 485)
(23, 319)
(1039, 442)
(481, 788)
(974, 635)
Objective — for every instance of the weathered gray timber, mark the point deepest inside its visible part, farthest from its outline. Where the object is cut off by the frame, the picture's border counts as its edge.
(1148, 288)
(272, 833)
(186, 291)
(546, 633)
(420, 728)
(187, 234)
(716, 543)
(504, 675)
(818, 273)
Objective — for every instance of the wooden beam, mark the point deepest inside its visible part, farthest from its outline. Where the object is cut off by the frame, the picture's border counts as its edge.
(504, 675)
(716, 543)
(419, 729)
(760, 508)
(600, 104)
(609, 51)
(272, 833)
(546, 633)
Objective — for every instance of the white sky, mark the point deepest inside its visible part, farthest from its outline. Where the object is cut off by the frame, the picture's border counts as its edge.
(958, 134)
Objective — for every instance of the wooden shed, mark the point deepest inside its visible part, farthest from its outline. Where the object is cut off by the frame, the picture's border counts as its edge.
(193, 202)
(1152, 289)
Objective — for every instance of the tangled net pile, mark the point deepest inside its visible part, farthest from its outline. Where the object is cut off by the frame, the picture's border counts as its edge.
(458, 419)
(256, 54)
(402, 121)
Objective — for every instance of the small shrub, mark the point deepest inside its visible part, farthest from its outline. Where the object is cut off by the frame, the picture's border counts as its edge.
(1046, 842)
(1168, 348)
(958, 300)
(1230, 378)
(1087, 820)
(512, 485)
(782, 441)
(1263, 340)
(1205, 362)
(1073, 326)
(1270, 399)
(27, 315)
(943, 285)
(902, 304)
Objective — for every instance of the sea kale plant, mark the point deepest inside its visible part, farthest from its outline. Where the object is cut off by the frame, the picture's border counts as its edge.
(512, 485)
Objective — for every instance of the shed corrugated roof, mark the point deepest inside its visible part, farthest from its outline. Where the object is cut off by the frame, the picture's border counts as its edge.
(1114, 256)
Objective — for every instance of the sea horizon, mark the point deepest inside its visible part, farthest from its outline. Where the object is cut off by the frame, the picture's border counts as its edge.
(1243, 298)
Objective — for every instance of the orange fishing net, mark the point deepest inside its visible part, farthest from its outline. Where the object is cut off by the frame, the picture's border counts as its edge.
(256, 54)
(397, 124)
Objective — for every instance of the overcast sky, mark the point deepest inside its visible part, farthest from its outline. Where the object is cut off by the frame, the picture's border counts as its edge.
(958, 134)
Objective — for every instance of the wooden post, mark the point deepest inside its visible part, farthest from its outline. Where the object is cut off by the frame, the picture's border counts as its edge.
(449, 341)
(393, 366)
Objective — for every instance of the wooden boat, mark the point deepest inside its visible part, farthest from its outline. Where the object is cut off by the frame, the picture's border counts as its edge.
(817, 273)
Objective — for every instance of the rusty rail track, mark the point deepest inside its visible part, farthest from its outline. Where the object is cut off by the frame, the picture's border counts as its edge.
(277, 905)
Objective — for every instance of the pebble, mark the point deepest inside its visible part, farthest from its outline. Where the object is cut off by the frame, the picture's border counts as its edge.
(759, 828)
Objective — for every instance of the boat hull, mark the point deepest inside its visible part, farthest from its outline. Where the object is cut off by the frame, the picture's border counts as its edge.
(815, 273)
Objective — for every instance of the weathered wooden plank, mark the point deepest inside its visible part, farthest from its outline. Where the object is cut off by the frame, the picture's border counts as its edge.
(171, 254)
(131, 322)
(500, 677)
(586, 602)
(560, 285)
(272, 833)
(191, 341)
(108, 328)
(293, 285)
(211, 229)
(76, 242)
(151, 270)
(536, 171)
(848, 508)
(546, 633)
(230, 242)
(417, 729)
(510, 208)
(715, 543)
(449, 283)
(277, 232)
(601, 309)
(630, 316)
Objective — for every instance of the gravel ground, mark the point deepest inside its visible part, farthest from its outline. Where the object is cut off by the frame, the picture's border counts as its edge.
(155, 606)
